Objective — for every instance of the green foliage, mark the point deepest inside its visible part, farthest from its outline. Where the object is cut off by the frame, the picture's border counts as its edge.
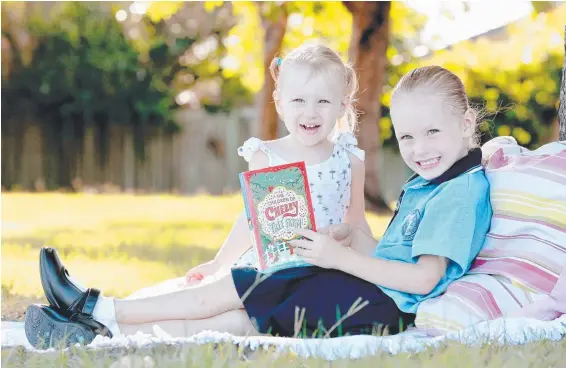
(329, 22)
(513, 79)
(202, 50)
(517, 97)
(521, 103)
(85, 70)
(406, 25)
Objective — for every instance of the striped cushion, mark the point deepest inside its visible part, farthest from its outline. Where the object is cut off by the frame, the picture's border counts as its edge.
(525, 250)
(470, 300)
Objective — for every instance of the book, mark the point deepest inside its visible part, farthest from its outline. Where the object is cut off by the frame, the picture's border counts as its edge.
(277, 200)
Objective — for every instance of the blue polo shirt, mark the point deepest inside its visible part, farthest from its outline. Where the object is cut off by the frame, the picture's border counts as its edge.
(448, 216)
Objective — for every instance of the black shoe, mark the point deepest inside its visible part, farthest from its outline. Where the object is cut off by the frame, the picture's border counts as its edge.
(64, 296)
(61, 292)
(47, 328)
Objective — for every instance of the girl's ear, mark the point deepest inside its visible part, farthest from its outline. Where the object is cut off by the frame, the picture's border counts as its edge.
(343, 104)
(277, 100)
(470, 117)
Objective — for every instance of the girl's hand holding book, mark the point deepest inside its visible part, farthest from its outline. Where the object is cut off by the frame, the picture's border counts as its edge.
(319, 249)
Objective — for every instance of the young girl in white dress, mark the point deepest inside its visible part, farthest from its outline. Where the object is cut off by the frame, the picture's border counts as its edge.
(314, 97)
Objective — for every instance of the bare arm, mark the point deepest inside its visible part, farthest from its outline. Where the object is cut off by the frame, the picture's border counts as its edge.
(238, 241)
(324, 251)
(416, 278)
(420, 278)
(356, 214)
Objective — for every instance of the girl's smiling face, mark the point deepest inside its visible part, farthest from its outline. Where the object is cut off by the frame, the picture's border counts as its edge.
(310, 103)
(431, 137)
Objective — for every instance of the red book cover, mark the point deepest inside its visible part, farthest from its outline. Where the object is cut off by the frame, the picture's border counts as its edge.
(277, 200)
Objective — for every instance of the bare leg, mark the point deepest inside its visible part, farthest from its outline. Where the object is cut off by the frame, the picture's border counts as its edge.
(235, 322)
(198, 302)
(163, 287)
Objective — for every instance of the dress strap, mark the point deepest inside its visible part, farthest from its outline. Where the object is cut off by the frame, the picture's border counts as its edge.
(348, 142)
(251, 146)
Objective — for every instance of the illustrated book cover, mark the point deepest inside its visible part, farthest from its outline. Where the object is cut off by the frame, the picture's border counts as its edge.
(277, 199)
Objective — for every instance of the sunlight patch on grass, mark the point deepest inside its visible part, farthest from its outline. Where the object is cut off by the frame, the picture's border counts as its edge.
(119, 243)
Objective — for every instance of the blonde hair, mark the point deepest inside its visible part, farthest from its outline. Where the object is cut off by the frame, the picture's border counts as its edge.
(323, 59)
(443, 83)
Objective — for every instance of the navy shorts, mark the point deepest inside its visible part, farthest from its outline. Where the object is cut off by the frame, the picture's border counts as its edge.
(325, 294)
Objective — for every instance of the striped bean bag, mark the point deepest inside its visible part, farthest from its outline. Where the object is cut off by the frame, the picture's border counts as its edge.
(524, 255)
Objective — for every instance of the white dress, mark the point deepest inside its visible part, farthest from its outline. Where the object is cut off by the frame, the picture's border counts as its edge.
(330, 182)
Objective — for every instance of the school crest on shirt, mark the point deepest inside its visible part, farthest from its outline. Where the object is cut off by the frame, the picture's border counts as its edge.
(410, 225)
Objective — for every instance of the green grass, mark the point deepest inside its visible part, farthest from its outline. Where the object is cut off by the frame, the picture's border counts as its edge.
(121, 243)
(139, 240)
(542, 354)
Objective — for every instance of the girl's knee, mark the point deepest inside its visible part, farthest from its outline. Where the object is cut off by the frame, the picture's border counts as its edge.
(242, 324)
(237, 323)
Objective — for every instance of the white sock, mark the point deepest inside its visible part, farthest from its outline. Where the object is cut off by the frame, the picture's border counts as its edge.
(105, 313)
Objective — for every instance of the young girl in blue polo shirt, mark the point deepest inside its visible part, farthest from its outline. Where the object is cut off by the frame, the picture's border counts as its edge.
(439, 226)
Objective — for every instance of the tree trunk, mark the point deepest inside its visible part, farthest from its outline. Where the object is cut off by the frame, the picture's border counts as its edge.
(368, 47)
(562, 105)
(274, 27)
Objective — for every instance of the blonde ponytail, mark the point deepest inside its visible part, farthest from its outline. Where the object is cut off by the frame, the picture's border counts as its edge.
(349, 121)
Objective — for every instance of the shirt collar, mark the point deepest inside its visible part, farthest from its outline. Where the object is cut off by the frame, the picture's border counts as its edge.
(471, 160)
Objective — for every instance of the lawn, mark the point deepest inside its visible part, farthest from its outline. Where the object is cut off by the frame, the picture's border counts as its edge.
(121, 243)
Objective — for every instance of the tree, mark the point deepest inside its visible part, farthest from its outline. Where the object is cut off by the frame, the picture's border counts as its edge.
(274, 23)
(562, 106)
(92, 66)
(368, 52)
(515, 77)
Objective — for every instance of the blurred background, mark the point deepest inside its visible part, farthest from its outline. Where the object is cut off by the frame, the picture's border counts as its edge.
(121, 120)
(156, 97)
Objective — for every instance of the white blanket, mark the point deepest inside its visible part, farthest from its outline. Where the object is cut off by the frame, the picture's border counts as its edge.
(502, 331)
